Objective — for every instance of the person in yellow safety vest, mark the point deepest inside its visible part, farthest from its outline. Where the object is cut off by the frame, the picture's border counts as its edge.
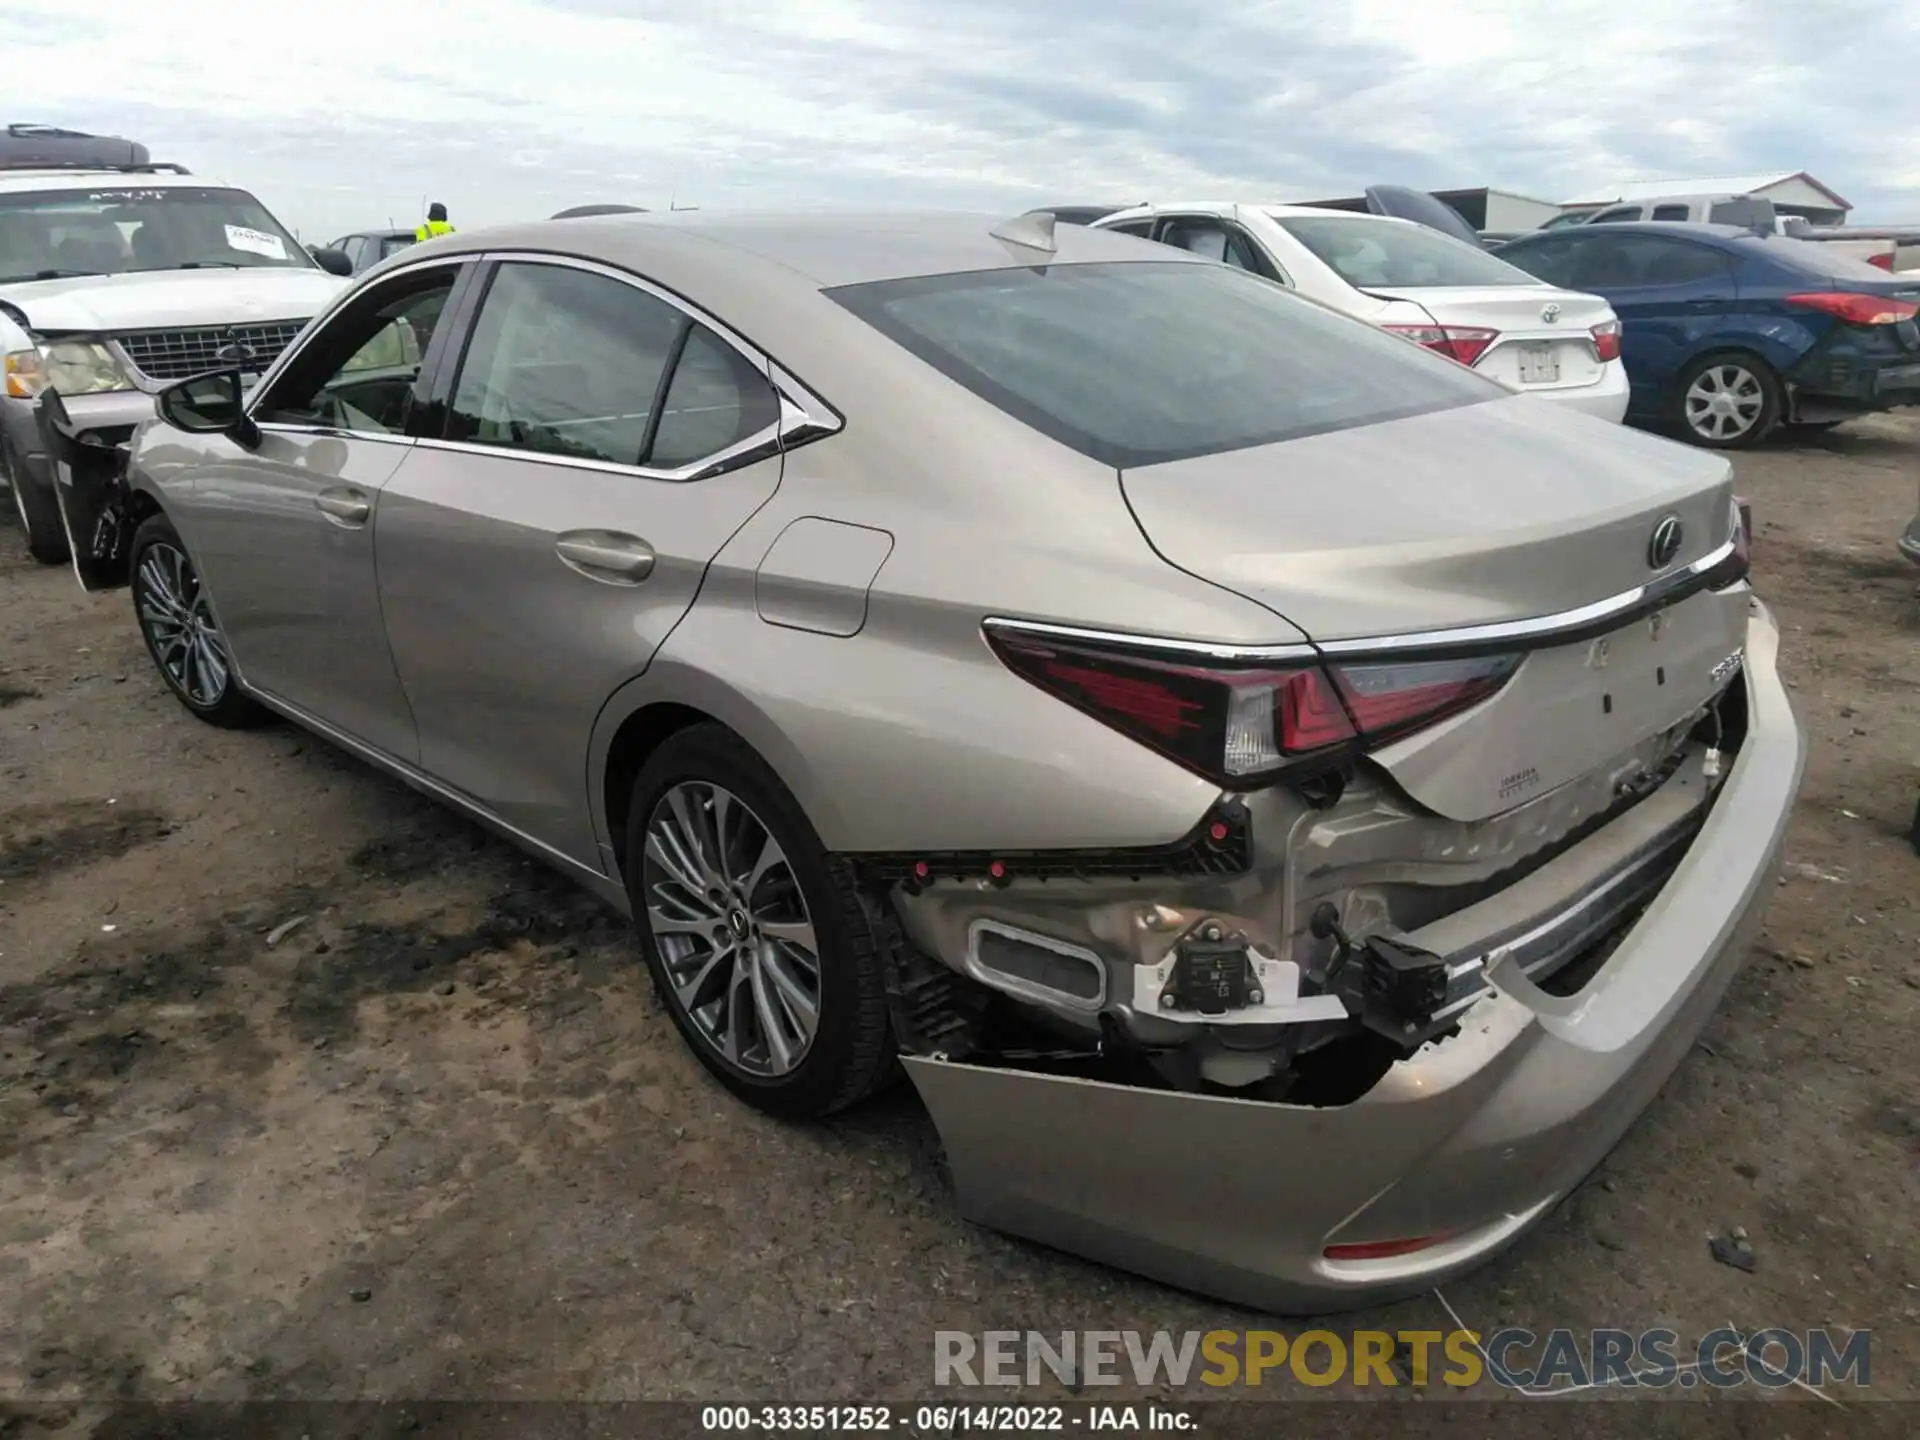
(436, 223)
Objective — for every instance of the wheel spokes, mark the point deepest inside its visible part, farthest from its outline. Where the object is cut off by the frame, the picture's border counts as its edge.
(731, 929)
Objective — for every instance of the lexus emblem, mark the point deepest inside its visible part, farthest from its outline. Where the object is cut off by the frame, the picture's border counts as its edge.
(1550, 313)
(1665, 541)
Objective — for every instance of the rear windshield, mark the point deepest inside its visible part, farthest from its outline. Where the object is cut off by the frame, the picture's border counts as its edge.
(1143, 362)
(1396, 255)
(1819, 257)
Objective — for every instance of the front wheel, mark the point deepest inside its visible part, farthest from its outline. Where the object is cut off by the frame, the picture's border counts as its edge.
(760, 945)
(1727, 402)
(176, 620)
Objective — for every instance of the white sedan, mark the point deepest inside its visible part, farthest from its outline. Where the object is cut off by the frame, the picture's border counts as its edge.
(1441, 292)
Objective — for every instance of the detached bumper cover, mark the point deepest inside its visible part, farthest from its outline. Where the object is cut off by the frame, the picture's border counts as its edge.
(1472, 1138)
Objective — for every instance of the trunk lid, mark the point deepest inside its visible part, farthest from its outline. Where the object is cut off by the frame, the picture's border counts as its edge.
(1544, 335)
(1482, 514)
(1490, 513)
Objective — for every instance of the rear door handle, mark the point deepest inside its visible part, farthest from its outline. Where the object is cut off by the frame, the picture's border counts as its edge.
(345, 505)
(611, 556)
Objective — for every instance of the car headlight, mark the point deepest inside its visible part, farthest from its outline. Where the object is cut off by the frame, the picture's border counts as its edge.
(73, 367)
(76, 367)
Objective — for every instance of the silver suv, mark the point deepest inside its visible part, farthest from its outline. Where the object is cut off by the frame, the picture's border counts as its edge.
(114, 284)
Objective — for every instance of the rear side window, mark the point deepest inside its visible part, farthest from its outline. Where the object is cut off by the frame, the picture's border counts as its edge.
(570, 363)
(715, 400)
(1138, 363)
(1395, 254)
(1142, 228)
(1671, 212)
(564, 362)
(1616, 215)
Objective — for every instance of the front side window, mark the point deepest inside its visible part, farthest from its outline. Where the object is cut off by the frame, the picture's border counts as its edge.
(48, 234)
(572, 363)
(1367, 251)
(358, 374)
(1135, 363)
(1670, 212)
(1554, 260)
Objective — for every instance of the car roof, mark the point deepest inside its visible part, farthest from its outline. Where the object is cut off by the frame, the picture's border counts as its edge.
(18, 181)
(1685, 229)
(819, 250)
(1265, 207)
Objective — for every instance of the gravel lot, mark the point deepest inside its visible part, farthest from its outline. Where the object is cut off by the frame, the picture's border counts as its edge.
(437, 1140)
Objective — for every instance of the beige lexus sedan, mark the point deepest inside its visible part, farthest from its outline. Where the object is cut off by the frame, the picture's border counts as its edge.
(1289, 800)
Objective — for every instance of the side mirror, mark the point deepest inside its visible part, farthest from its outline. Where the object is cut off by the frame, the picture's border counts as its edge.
(209, 404)
(334, 262)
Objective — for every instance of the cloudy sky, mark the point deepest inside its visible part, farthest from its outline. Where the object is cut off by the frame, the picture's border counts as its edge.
(342, 114)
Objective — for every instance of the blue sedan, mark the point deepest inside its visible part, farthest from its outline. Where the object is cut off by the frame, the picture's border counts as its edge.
(1728, 334)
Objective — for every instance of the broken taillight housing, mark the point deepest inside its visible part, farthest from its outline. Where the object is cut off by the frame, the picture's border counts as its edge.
(1606, 340)
(1244, 727)
(1736, 565)
(1465, 343)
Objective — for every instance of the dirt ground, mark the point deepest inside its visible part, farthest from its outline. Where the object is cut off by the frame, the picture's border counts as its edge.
(436, 1139)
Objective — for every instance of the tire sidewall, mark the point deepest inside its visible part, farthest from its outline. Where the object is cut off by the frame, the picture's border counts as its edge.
(1770, 399)
(711, 755)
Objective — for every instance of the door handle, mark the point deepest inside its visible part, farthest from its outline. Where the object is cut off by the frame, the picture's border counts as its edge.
(610, 556)
(344, 505)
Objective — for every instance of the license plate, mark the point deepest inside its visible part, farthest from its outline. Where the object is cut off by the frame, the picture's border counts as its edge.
(1539, 364)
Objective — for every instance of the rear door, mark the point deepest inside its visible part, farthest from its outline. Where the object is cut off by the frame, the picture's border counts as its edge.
(1675, 299)
(601, 445)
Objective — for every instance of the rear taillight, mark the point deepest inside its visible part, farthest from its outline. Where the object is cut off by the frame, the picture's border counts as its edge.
(1857, 309)
(1606, 340)
(1465, 343)
(1737, 565)
(1242, 727)
(1883, 261)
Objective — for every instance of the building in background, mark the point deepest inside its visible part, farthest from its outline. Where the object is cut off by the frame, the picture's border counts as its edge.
(1793, 192)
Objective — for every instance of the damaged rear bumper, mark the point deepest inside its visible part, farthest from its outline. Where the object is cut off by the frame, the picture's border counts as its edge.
(1469, 1140)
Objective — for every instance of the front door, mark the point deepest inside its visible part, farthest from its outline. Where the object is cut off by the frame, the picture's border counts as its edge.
(283, 533)
(601, 446)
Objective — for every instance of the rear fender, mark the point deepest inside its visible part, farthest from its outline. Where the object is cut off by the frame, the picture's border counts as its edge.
(90, 486)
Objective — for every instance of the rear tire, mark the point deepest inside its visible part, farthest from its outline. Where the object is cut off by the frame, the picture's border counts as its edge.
(176, 620)
(751, 929)
(39, 513)
(1727, 401)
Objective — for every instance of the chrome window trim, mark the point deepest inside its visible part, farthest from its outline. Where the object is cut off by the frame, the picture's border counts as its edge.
(378, 437)
(1564, 625)
(817, 414)
(803, 412)
(699, 470)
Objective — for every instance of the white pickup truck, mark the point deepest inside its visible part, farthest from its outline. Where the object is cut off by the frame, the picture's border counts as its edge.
(1894, 248)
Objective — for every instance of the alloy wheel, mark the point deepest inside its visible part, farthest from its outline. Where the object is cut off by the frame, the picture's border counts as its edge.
(179, 623)
(732, 929)
(1725, 401)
